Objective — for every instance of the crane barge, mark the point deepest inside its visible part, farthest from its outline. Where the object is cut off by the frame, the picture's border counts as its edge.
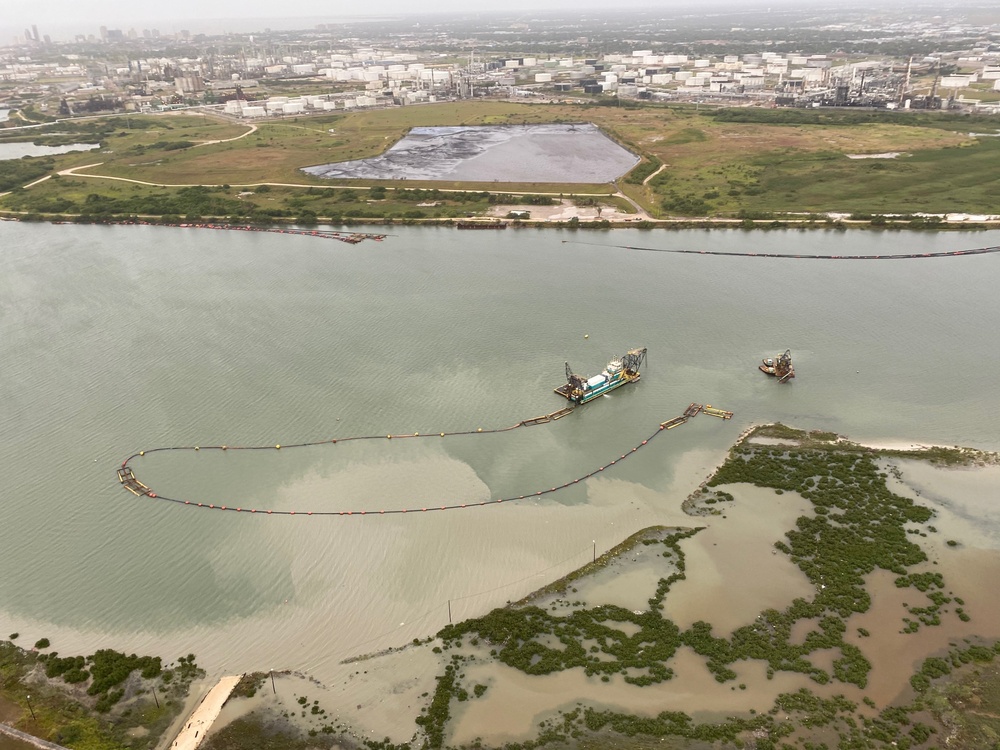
(618, 372)
(779, 367)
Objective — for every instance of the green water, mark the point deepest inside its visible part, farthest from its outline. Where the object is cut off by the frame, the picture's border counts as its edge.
(116, 339)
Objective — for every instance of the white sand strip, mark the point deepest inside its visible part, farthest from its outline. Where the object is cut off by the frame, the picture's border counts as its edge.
(202, 718)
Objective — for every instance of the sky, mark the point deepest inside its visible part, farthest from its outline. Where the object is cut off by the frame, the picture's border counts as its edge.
(62, 19)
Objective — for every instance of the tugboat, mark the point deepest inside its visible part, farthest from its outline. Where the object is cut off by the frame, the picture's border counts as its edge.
(778, 367)
(618, 372)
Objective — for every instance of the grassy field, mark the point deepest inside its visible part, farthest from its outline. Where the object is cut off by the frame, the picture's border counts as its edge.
(728, 163)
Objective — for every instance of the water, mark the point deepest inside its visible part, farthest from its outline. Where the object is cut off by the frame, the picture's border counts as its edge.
(115, 339)
(22, 149)
(578, 153)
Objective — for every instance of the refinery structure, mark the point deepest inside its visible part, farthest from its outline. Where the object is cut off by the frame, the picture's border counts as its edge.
(267, 75)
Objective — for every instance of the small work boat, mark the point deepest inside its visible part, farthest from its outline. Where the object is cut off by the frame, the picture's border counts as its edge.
(778, 367)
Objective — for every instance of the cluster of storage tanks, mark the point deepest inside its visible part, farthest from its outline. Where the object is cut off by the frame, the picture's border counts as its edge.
(283, 105)
(632, 74)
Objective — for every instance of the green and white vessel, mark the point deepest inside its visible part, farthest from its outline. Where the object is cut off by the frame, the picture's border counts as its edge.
(618, 372)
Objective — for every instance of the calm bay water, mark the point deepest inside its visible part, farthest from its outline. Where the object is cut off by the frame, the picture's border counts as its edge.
(116, 339)
(22, 149)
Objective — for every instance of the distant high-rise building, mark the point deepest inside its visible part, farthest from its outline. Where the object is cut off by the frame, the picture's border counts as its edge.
(34, 33)
(104, 33)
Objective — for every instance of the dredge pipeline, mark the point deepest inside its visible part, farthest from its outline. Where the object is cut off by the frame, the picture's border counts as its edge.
(128, 480)
(351, 238)
(905, 256)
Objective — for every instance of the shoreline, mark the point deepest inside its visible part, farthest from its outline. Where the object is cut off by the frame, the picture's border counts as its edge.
(818, 223)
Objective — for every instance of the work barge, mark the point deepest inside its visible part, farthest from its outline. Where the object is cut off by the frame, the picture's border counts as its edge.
(618, 372)
(779, 367)
(694, 410)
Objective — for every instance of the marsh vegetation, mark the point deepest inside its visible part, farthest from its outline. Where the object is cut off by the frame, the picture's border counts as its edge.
(857, 526)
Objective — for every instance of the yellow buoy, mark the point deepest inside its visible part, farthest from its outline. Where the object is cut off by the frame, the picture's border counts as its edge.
(586, 335)
(142, 453)
(277, 447)
(480, 429)
(197, 448)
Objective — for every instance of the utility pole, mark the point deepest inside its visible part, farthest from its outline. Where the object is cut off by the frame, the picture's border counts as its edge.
(273, 690)
(28, 699)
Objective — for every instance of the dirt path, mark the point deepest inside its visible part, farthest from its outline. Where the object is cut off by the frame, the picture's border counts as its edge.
(662, 167)
(253, 129)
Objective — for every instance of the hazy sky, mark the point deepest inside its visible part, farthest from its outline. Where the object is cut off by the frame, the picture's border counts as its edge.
(61, 17)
